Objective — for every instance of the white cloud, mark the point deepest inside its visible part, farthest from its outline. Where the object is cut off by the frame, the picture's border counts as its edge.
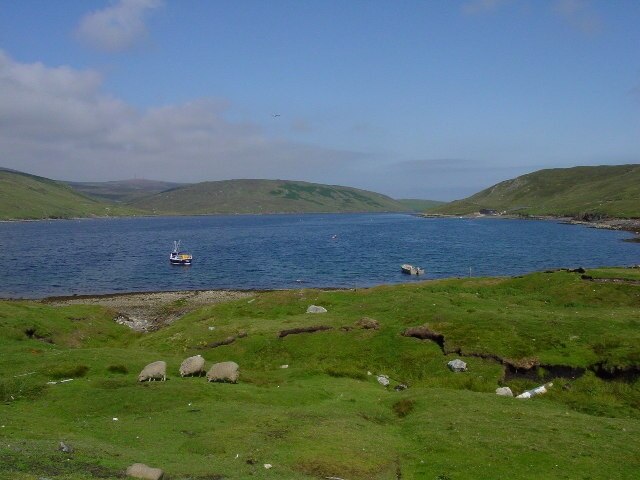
(58, 123)
(117, 27)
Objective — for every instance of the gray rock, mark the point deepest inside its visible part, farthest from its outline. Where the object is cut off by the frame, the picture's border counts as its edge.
(383, 380)
(140, 470)
(224, 372)
(154, 371)
(504, 392)
(65, 447)
(457, 365)
(400, 387)
(316, 309)
(192, 366)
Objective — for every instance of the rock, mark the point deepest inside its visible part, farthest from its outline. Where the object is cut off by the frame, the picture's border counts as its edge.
(383, 380)
(284, 366)
(368, 323)
(224, 372)
(457, 365)
(504, 392)
(192, 366)
(140, 470)
(268, 466)
(154, 371)
(400, 387)
(64, 447)
(535, 391)
(316, 309)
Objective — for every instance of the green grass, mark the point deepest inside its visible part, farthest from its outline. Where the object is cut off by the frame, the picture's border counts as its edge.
(326, 415)
(24, 196)
(611, 191)
(418, 205)
(265, 196)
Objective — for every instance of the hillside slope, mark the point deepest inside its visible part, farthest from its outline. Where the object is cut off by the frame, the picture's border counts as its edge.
(612, 191)
(24, 196)
(419, 205)
(122, 190)
(265, 196)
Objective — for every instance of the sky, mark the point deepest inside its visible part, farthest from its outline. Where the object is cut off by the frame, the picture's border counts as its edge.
(414, 99)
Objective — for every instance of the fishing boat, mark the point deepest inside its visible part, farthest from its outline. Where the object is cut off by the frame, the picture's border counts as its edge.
(177, 257)
(411, 270)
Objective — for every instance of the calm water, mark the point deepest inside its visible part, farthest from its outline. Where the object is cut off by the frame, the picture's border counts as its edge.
(286, 251)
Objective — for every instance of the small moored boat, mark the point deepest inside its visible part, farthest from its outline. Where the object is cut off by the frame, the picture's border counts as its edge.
(411, 270)
(177, 257)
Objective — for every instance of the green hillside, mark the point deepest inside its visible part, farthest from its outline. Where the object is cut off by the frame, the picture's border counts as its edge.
(418, 205)
(612, 191)
(310, 404)
(122, 190)
(265, 196)
(24, 196)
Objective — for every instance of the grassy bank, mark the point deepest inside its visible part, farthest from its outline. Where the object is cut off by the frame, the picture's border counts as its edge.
(324, 415)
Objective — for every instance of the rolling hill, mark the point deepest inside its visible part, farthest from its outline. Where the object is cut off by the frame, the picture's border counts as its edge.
(122, 191)
(25, 196)
(419, 205)
(602, 191)
(265, 196)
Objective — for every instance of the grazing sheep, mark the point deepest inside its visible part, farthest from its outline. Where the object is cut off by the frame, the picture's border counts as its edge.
(223, 372)
(192, 366)
(140, 470)
(154, 371)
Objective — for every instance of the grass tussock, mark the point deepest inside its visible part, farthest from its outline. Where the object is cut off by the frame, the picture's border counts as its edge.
(67, 371)
(404, 407)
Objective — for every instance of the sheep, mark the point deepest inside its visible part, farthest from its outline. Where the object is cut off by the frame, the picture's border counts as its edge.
(223, 372)
(154, 371)
(140, 470)
(192, 366)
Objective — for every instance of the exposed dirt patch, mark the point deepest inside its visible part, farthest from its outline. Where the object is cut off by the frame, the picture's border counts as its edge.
(423, 332)
(227, 341)
(294, 331)
(146, 312)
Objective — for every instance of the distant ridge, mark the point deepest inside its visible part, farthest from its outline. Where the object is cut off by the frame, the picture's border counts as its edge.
(122, 190)
(419, 205)
(24, 196)
(581, 192)
(265, 196)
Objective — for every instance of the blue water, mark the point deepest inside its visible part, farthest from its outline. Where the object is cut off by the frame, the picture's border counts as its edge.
(286, 251)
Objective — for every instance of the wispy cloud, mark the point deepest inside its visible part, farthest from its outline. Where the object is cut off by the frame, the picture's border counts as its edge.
(472, 7)
(117, 27)
(579, 14)
(57, 122)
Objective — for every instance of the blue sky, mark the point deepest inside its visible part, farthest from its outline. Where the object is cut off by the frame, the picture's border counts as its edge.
(425, 99)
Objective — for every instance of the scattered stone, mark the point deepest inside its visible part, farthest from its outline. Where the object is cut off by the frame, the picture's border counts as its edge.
(383, 380)
(457, 365)
(224, 372)
(535, 391)
(212, 328)
(400, 387)
(192, 366)
(64, 447)
(154, 371)
(284, 366)
(316, 309)
(504, 392)
(140, 470)
(368, 323)
(293, 331)
(268, 466)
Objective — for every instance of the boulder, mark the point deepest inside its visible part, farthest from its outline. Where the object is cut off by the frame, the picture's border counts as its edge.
(457, 365)
(383, 380)
(504, 392)
(368, 323)
(140, 470)
(192, 366)
(154, 371)
(65, 447)
(224, 372)
(316, 309)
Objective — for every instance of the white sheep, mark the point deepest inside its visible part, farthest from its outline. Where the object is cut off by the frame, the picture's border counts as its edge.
(224, 372)
(192, 366)
(154, 371)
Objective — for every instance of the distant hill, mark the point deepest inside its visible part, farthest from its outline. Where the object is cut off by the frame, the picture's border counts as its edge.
(122, 191)
(24, 196)
(612, 191)
(265, 196)
(418, 205)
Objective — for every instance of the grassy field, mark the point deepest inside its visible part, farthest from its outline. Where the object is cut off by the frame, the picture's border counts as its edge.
(325, 415)
(601, 191)
(417, 205)
(265, 196)
(24, 196)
